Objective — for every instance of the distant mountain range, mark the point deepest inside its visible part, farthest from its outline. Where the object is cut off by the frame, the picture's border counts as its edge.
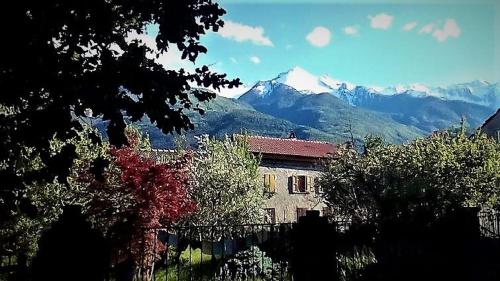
(415, 106)
(323, 108)
(476, 92)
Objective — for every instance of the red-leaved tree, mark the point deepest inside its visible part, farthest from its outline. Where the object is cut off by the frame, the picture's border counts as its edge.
(158, 196)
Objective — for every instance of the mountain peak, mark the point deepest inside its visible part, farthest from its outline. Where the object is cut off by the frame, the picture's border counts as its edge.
(479, 91)
(306, 82)
(299, 70)
(294, 72)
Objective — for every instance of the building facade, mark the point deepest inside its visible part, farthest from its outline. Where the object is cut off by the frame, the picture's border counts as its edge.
(289, 169)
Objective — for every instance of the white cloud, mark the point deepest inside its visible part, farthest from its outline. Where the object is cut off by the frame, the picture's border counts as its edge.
(233, 60)
(351, 30)
(241, 33)
(233, 92)
(170, 60)
(450, 29)
(381, 21)
(255, 59)
(427, 28)
(319, 37)
(409, 26)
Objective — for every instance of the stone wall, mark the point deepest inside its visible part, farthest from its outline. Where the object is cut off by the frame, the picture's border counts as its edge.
(284, 200)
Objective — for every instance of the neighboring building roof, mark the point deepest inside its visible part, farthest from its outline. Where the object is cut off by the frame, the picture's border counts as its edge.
(289, 147)
(491, 126)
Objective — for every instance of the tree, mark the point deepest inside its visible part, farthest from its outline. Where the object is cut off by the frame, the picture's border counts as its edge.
(41, 202)
(66, 58)
(38, 205)
(133, 196)
(433, 176)
(158, 196)
(225, 183)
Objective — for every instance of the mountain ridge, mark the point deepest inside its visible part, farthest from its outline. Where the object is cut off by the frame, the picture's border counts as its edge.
(342, 113)
(477, 92)
(421, 113)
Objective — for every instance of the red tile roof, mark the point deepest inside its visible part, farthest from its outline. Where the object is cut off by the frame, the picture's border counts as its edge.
(290, 147)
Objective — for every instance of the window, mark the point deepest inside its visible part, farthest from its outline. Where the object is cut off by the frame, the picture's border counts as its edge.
(270, 215)
(326, 211)
(302, 184)
(270, 183)
(301, 212)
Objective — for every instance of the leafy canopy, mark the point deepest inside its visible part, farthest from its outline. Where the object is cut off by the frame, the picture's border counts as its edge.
(133, 194)
(158, 194)
(35, 207)
(66, 59)
(225, 183)
(432, 176)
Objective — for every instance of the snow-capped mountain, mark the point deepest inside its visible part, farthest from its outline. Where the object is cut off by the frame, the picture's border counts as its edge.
(476, 92)
(325, 103)
(302, 81)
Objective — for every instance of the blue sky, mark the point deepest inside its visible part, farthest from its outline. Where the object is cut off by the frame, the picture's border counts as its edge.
(373, 43)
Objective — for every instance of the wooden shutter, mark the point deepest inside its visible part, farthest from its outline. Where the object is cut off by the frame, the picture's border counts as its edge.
(309, 184)
(272, 183)
(266, 182)
(295, 184)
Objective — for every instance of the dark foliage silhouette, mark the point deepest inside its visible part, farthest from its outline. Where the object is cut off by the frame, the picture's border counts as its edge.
(71, 249)
(72, 59)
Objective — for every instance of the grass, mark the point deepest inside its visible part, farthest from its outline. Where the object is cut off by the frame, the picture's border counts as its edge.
(192, 263)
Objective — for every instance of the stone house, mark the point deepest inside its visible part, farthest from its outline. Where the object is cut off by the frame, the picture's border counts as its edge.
(289, 168)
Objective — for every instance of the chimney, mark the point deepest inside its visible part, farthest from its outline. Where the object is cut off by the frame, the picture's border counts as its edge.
(292, 135)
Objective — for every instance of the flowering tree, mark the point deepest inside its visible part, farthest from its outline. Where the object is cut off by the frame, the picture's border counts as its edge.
(224, 181)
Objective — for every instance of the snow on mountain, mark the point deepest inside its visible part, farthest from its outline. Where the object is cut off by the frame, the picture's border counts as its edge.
(263, 87)
(233, 92)
(477, 92)
(302, 81)
(335, 84)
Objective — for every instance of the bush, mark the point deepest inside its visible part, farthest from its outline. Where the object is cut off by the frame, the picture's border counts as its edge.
(353, 263)
(251, 263)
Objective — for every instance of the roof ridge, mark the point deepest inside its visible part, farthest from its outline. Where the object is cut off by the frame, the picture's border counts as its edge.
(490, 118)
(286, 139)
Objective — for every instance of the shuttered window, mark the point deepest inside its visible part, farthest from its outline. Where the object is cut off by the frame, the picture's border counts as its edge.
(301, 212)
(310, 184)
(270, 183)
(300, 184)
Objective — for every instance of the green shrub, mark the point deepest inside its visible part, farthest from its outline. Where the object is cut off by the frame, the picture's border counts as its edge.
(250, 264)
(351, 264)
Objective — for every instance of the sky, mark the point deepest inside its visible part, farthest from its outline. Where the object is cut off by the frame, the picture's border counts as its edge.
(371, 43)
